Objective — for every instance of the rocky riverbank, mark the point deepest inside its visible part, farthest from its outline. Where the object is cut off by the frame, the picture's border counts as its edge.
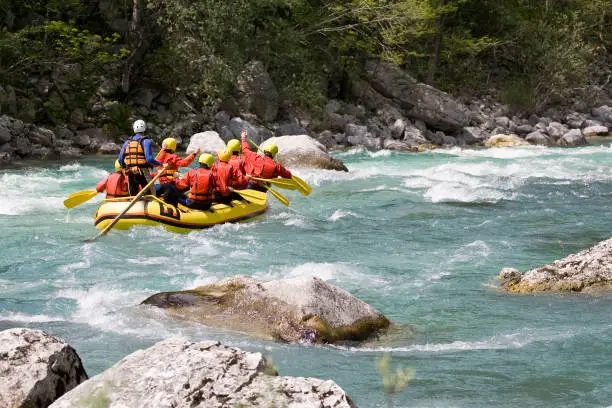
(386, 109)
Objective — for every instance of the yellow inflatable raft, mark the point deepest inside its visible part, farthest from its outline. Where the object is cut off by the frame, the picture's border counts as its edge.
(153, 211)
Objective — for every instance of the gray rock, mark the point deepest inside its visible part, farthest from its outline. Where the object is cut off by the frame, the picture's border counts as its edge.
(182, 374)
(556, 130)
(595, 131)
(572, 138)
(109, 148)
(393, 85)
(256, 92)
(36, 368)
(524, 129)
(144, 97)
(336, 122)
(502, 121)
(388, 114)
(293, 310)
(23, 146)
(603, 113)
(591, 122)
(208, 142)
(414, 137)
(326, 138)
(82, 140)
(41, 136)
(575, 120)
(9, 128)
(236, 125)
(586, 271)
(41, 152)
(397, 129)
(290, 128)
(472, 135)
(538, 138)
(392, 144)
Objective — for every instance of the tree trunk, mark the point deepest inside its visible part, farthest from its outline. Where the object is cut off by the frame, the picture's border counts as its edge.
(434, 57)
(136, 44)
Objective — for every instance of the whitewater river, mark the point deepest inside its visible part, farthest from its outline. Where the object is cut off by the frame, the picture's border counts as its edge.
(421, 237)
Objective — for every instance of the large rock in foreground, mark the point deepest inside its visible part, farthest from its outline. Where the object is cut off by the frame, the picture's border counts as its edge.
(586, 271)
(181, 374)
(304, 151)
(36, 369)
(291, 310)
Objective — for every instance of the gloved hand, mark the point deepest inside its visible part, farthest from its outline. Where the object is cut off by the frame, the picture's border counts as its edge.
(243, 134)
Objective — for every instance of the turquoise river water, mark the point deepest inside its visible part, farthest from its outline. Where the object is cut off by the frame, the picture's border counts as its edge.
(421, 237)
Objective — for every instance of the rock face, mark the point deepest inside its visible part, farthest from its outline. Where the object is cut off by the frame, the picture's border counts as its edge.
(586, 271)
(36, 369)
(304, 151)
(181, 374)
(419, 101)
(256, 92)
(291, 310)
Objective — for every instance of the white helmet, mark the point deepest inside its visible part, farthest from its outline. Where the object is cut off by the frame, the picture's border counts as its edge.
(139, 126)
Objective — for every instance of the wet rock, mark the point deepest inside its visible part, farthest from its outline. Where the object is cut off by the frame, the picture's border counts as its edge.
(283, 309)
(572, 138)
(208, 142)
(36, 368)
(524, 129)
(505, 141)
(182, 374)
(556, 130)
(303, 151)
(414, 137)
(586, 271)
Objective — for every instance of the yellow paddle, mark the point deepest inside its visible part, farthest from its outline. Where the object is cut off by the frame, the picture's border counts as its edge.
(287, 184)
(252, 196)
(278, 195)
(140, 194)
(79, 197)
(302, 186)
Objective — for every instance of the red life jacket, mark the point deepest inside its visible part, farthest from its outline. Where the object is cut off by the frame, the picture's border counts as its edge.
(239, 180)
(115, 186)
(268, 168)
(201, 187)
(134, 153)
(222, 173)
(167, 157)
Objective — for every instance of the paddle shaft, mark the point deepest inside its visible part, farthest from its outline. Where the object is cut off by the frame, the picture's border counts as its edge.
(140, 194)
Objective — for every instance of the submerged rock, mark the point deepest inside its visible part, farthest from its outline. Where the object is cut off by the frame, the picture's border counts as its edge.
(291, 310)
(586, 271)
(182, 374)
(304, 151)
(36, 368)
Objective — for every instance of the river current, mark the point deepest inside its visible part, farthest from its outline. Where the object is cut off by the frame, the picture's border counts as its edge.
(421, 237)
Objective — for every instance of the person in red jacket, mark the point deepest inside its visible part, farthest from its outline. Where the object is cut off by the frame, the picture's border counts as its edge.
(239, 180)
(114, 184)
(261, 166)
(222, 173)
(167, 182)
(200, 183)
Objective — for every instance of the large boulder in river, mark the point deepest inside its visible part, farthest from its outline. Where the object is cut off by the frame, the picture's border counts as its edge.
(182, 374)
(291, 310)
(36, 368)
(208, 142)
(436, 108)
(304, 151)
(586, 271)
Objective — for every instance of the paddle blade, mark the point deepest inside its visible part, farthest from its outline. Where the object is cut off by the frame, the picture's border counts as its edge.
(278, 196)
(287, 184)
(303, 187)
(79, 198)
(253, 196)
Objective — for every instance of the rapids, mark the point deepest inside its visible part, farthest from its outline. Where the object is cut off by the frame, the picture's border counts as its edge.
(421, 237)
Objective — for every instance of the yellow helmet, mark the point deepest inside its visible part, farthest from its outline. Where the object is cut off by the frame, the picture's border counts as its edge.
(207, 159)
(117, 165)
(169, 143)
(234, 146)
(272, 149)
(224, 154)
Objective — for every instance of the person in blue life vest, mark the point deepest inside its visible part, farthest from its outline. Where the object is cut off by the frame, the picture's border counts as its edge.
(136, 157)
